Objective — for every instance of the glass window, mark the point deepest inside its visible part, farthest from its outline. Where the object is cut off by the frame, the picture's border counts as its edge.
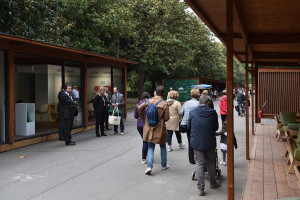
(36, 90)
(2, 98)
(118, 79)
(97, 76)
(73, 77)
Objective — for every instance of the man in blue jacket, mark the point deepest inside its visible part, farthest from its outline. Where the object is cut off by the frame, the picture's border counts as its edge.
(203, 123)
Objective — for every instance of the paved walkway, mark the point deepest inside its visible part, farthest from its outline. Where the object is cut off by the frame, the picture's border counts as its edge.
(267, 176)
(107, 168)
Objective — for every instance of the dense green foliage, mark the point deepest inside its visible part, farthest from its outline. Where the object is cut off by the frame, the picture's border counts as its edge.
(166, 39)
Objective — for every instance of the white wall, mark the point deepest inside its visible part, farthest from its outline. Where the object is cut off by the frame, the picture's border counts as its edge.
(2, 98)
(97, 76)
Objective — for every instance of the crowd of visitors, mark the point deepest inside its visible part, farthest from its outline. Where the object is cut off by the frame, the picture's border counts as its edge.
(158, 119)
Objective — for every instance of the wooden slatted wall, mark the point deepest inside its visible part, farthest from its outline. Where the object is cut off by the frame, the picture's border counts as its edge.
(281, 89)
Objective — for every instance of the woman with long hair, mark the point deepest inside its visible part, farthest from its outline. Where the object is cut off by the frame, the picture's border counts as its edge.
(100, 104)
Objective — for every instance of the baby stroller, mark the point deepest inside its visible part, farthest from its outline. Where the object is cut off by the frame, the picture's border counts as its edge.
(218, 170)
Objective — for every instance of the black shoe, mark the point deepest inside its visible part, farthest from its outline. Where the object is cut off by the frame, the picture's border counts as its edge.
(107, 129)
(98, 135)
(103, 134)
(61, 139)
(70, 143)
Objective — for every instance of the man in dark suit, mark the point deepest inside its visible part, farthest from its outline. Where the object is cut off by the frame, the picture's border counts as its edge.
(118, 101)
(69, 106)
(60, 109)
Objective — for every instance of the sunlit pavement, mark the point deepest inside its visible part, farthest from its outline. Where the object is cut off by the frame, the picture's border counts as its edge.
(109, 168)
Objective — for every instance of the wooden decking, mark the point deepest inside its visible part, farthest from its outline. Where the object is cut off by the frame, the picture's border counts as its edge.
(267, 176)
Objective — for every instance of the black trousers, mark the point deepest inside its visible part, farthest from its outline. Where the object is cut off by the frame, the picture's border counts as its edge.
(106, 118)
(223, 117)
(100, 122)
(67, 130)
(61, 125)
(190, 149)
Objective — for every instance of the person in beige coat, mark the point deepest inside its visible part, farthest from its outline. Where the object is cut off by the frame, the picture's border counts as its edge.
(156, 134)
(175, 118)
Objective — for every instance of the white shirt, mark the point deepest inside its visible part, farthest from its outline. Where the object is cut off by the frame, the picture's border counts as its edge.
(69, 95)
(76, 93)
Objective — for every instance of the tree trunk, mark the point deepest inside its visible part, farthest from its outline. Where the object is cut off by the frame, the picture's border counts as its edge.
(141, 79)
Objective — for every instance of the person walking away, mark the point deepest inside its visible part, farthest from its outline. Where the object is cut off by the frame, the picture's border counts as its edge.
(60, 109)
(140, 125)
(223, 106)
(69, 106)
(241, 100)
(154, 131)
(203, 122)
(118, 101)
(175, 118)
(107, 108)
(100, 105)
(211, 103)
(185, 112)
(223, 142)
(215, 94)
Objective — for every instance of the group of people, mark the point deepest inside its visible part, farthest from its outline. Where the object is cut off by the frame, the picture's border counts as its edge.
(159, 119)
(67, 108)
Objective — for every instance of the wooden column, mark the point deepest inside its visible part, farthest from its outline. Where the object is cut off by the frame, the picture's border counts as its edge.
(247, 102)
(256, 93)
(11, 97)
(229, 85)
(125, 90)
(252, 99)
(85, 106)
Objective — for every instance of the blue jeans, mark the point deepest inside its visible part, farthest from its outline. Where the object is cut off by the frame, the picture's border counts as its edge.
(121, 124)
(145, 144)
(163, 154)
(170, 134)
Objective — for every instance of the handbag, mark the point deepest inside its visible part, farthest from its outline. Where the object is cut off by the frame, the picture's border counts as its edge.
(183, 128)
(75, 112)
(115, 120)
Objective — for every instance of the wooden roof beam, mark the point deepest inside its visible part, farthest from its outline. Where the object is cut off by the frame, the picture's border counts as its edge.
(276, 55)
(242, 26)
(277, 64)
(273, 38)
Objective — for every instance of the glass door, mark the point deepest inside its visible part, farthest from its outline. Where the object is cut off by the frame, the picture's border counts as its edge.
(73, 77)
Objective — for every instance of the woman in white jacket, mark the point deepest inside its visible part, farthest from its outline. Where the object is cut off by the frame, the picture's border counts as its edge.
(175, 118)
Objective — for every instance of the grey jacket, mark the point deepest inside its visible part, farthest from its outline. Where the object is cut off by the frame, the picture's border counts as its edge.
(186, 108)
(120, 100)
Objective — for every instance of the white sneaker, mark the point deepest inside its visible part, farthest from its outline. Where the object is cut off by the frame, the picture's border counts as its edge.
(122, 133)
(166, 167)
(148, 171)
(170, 149)
(181, 146)
(144, 162)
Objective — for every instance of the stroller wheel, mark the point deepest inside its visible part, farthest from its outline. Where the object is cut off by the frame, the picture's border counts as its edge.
(194, 176)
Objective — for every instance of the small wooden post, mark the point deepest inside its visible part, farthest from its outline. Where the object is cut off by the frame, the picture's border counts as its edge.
(256, 93)
(125, 90)
(229, 85)
(11, 97)
(252, 99)
(85, 106)
(247, 102)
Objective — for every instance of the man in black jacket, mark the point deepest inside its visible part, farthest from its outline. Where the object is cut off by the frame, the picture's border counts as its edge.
(60, 109)
(203, 123)
(241, 99)
(69, 106)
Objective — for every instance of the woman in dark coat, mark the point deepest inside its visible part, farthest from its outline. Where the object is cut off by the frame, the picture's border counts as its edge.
(99, 105)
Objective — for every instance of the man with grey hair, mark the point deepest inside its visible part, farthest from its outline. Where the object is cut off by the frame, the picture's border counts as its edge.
(203, 123)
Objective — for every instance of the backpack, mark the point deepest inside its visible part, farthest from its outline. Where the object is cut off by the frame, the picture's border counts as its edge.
(152, 114)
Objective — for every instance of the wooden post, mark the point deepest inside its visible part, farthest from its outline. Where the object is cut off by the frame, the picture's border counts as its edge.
(247, 102)
(229, 85)
(256, 93)
(85, 106)
(252, 99)
(125, 90)
(11, 97)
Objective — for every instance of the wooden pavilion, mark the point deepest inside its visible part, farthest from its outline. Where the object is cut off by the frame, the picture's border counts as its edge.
(265, 34)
